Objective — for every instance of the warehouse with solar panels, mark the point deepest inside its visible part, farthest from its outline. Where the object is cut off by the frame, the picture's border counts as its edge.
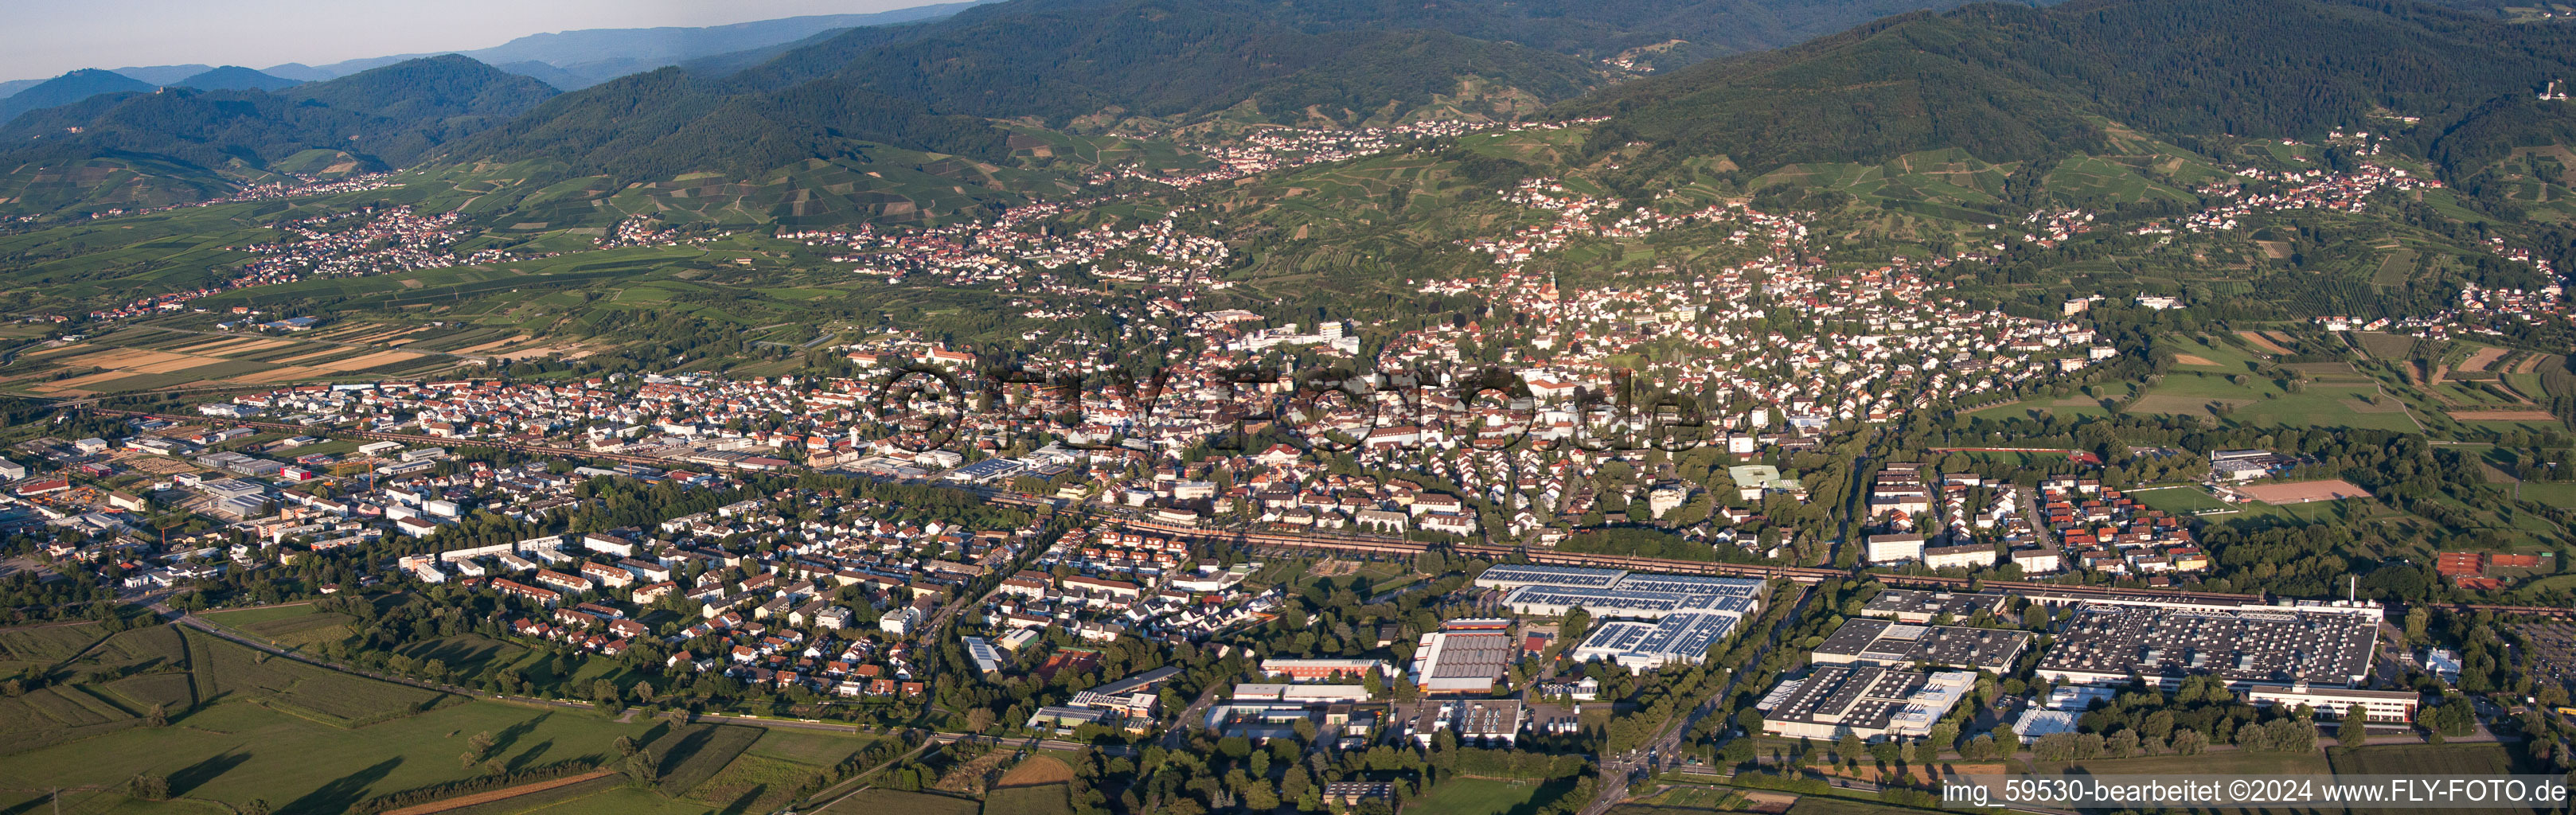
(1874, 641)
(1642, 621)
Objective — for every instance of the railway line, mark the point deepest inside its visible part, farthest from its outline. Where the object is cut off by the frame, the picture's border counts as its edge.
(1381, 546)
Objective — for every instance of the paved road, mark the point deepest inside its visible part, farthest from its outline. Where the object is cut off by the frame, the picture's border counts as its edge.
(1618, 771)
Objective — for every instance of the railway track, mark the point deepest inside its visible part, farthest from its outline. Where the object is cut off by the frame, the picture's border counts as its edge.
(1374, 545)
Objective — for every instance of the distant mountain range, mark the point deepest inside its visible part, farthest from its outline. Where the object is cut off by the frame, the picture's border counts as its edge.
(68, 88)
(383, 117)
(566, 60)
(2003, 82)
(571, 60)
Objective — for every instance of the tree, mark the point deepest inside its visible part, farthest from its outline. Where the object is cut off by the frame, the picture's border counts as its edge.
(2354, 732)
(2189, 742)
(1983, 746)
(2122, 744)
(2292, 735)
(2054, 747)
(1736, 752)
(979, 719)
(625, 745)
(149, 787)
(159, 717)
(604, 693)
(643, 770)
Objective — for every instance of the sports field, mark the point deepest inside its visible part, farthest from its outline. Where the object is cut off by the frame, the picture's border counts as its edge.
(2300, 492)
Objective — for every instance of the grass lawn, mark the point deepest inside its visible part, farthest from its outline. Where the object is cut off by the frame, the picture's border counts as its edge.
(1480, 796)
(2179, 500)
(243, 618)
(2553, 493)
(237, 751)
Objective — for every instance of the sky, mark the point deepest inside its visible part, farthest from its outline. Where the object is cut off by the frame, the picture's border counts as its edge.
(44, 38)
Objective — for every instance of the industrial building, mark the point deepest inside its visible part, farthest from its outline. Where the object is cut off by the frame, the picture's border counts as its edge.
(1248, 692)
(1918, 606)
(1464, 656)
(1554, 590)
(2322, 645)
(1682, 615)
(1494, 723)
(2393, 706)
(1513, 576)
(1324, 670)
(1682, 638)
(1873, 641)
(1868, 701)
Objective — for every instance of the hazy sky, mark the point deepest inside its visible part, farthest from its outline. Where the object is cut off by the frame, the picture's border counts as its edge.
(43, 38)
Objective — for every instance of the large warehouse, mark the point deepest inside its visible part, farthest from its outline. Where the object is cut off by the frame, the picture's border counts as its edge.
(1886, 642)
(2248, 646)
(1682, 638)
(1682, 615)
(1918, 606)
(1553, 590)
(1869, 701)
(1464, 656)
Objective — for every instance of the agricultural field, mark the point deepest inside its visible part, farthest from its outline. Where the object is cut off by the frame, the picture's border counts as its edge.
(2423, 759)
(891, 802)
(1041, 799)
(152, 357)
(234, 751)
(1820, 805)
(225, 671)
(692, 755)
(2195, 390)
(769, 773)
(46, 645)
(1686, 801)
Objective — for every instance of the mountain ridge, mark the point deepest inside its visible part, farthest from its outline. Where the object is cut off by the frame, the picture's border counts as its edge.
(2010, 82)
(66, 89)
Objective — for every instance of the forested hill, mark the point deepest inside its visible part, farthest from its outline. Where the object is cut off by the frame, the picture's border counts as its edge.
(2011, 82)
(931, 88)
(1056, 61)
(667, 122)
(394, 114)
(66, 89)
